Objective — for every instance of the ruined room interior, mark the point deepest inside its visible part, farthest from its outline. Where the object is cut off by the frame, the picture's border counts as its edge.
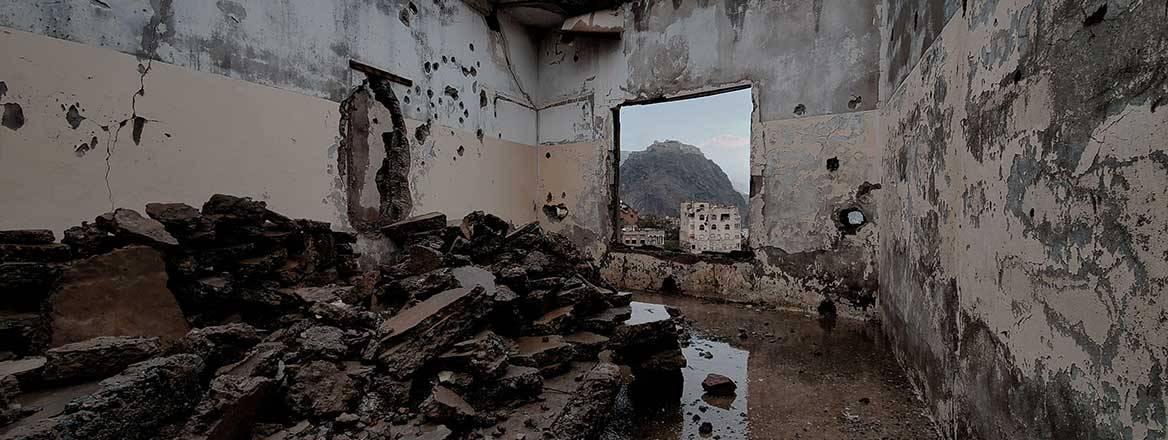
(399, 219)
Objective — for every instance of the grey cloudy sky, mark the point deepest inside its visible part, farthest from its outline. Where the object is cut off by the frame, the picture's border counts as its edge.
(719, 125)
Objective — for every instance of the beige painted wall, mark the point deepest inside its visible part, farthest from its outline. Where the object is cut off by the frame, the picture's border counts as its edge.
(204, 134)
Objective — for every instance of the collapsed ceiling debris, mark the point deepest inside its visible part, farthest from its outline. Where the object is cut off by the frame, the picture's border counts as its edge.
(476, 328)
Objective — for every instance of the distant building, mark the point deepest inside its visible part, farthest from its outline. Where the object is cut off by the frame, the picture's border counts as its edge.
(637, 237)
(710, 227)
(628, 215)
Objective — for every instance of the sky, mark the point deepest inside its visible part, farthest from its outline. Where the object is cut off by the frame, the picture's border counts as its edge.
(719, 125)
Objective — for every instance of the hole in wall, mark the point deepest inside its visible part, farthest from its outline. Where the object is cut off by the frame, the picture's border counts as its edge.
(669, 285)
(555, 212)
(800, 109)
(855, 102)
(684, 190)
(547, 155)
(851, 220)
(833, 164)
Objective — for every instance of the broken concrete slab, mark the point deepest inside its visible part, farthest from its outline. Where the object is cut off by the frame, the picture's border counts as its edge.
(447, 407)
(123, 293)
(97, 358)
(36, 253)
(420, 333)
(542, 351)
(230, 408)
(139, 400)
(589, 405)
(421, 223)
(320, 388)
(27, 371)
(588, 345)
(134, 227)
(27, 236)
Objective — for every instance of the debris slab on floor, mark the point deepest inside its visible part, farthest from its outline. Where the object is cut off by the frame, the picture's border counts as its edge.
(233, 321)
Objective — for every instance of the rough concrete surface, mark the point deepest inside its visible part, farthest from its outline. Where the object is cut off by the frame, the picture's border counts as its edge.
(1022, 236)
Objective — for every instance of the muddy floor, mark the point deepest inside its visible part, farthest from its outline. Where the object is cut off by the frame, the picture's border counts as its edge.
(798, 377)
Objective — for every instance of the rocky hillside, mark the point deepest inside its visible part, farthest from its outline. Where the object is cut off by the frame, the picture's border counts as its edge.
(657, 180)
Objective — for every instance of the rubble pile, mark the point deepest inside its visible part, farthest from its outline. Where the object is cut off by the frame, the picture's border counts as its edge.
(235, 322)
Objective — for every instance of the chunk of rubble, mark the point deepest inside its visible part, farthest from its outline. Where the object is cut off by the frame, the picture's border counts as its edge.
(136, 402)
(420, 333)
(447, 407)
(122, 293)
(96, 358)
(718, 385)
(421, 223)
(589, 405)
(543, 352)
(320, 388)
(131, 225)
(27, 236)
(230, 408)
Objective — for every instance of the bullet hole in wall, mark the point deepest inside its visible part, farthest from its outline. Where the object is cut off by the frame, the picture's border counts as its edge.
(444, 60)
(1031, 212)
(548, 155)
(472, 47)
(855, 102)
(430, 93)
(550, 198)
(556, 212)
(1097, 17)
(851, 220)
(479, 134)
(916, 20)
(800, 110)
(833, 164)
(564, 195)
(13, 116)
(426, 67)
(482, 99)
(413, 8)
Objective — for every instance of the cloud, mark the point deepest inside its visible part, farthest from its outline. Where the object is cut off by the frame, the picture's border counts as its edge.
(727, 142)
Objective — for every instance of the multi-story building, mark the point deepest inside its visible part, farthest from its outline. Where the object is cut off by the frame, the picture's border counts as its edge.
(637, 237)
(710, 227)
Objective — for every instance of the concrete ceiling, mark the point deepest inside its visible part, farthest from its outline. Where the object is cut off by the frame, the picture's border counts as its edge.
(549, 13)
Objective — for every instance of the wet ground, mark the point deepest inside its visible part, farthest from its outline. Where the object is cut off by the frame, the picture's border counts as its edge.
(798, 377)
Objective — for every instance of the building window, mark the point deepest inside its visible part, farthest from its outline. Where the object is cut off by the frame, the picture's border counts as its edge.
(702, 227)
(727, 227)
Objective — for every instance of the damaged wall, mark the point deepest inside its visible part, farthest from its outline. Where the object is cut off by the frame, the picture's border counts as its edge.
(470, 124)
(815, 84)
(102, 129)
(1023, 251)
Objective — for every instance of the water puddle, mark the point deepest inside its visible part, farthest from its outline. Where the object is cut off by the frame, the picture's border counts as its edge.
(677, 409)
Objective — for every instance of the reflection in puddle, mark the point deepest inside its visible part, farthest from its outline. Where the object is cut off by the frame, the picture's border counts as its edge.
(654, 412)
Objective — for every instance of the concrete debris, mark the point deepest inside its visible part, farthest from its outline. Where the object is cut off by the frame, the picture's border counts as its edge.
(719, 385)
(477, 329)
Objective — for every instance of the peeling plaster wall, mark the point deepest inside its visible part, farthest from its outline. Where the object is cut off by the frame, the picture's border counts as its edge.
(823, 55)
(1023, 219)
(470, 88)
(200, 134)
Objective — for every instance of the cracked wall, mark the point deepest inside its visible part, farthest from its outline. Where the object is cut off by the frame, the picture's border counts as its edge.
(1023, 218)
(469, 123)
(83, 149)
(823, 61)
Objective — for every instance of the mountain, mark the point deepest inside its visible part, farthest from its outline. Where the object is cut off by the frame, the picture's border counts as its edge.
(657, 180)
